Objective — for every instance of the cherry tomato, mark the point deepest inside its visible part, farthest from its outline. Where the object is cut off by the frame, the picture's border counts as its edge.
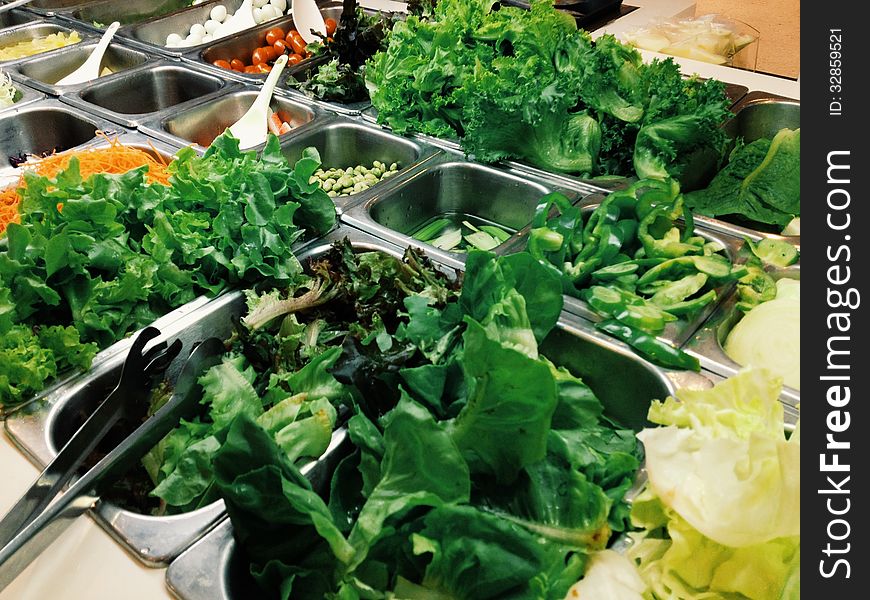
(223, 64)
(270, 52)
(263, 67)
(259, 56)
(252, 69)
(331, 26)
(274, 34)
(280, 46)
(294, 59)
(298, 44)
(237, 65)
(291, 34)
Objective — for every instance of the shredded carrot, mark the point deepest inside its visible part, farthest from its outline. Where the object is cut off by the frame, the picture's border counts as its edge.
(116, 158)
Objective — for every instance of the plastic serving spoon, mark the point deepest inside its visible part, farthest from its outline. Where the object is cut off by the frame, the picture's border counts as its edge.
(242, 19)
(252, 128)
(14, 4)
(90, 69)
(307, 16)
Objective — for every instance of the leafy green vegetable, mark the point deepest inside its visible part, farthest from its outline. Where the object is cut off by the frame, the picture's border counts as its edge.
(342, 77)
(633, 262)
(121, 253)
(28, 358)
(761, 182)
(494, 473)
(769, 334)
(718, 449)
(285, 370)
(527, 84)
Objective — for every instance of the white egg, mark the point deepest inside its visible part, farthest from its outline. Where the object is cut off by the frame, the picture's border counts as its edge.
(197, 29)
(207, 38)
(260, 3)
(211, 26)
(219, 13)
(173, 39)
(258, 15)
(269, 12)
(193, 40)
(281, 5)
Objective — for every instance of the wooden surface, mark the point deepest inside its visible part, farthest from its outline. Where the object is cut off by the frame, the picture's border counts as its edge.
(778, 22)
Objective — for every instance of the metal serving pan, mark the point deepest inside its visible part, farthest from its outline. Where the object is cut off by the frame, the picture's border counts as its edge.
(31, 31)
(127, 12)
(40, 428)
(757, 115)
(215, 569)
(346, 143)
(43, 127)
(202, 123)
(17, 16)
(708, 342)
(446, 187)
(677, 332)
(24, 95)
(152, 33)
(244, 43)
(149, 91)
(44, 71)
(51, 7)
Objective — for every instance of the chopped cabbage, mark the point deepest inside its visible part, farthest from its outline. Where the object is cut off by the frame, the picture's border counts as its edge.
(770, 334)
(609, 576)
(724, 484)
(7, 90)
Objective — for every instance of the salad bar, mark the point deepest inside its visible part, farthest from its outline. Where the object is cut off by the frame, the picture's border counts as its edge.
(491, 310)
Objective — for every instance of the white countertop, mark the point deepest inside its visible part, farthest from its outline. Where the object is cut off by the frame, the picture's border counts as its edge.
(83, 563)
(86, 563)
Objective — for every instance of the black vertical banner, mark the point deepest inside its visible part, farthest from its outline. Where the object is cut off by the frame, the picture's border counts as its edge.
(835, 254)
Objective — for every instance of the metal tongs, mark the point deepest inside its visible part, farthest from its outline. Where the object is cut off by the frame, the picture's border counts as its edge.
(35, 520)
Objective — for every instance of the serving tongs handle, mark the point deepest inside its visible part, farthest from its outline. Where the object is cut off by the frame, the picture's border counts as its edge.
(43, 528)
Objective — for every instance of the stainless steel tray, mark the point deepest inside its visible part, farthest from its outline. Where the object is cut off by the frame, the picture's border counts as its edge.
(51, 7)
(24, 96)
(128, 12)
(44, 126)
(40, 427)
(36, 29)
(346, 142)
(451, 185)
(152, 33)
(202, 123)
(150, 91)
(45, 70)
(245, 42)
(708, 342)
(17, 16)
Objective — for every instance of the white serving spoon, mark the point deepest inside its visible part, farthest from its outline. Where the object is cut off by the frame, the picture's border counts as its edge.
(90, 69)
(242, 19)
(14, 4)
(307, 16)
(252, 128)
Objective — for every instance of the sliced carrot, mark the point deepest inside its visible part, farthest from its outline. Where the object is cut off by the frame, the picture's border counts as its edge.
(275, 123)
(116, 158)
